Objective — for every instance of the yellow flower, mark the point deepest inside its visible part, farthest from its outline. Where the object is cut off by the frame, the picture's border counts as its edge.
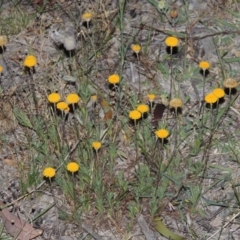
(161, 4)
(96, 145)
(94, 98)
(230, 83)
(151, 97)
(136, 48)
(72, 98)
(49, 172)
(3, 40)
(162, 133)
(72, 167)
(87, 16)
(135, 115)
(62, 106)
(142, 108)
(204, 65)
(66, 110)
(1, 69)
(211, 98)
(176, 103)
(30, 61)
(114, 79)
(218, 92)
(171, 41)
(54, 97)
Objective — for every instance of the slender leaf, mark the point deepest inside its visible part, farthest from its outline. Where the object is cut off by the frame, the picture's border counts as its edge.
(162, 229)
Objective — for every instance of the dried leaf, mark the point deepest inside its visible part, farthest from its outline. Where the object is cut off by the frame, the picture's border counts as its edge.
(158, 113)
(108, 114)
(16, 227)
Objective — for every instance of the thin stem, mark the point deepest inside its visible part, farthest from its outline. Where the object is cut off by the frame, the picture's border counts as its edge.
(31, 86)
(171, 74)
(204, 81)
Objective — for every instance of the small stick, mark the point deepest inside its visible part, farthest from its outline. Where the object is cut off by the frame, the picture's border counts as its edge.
(224, 225)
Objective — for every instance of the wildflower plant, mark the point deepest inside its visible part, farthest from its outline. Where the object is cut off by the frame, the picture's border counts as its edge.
(136, 48)
(49, 172)
(135, 115)
(230, 85)
(72, 167)
(30, 61)
(171, 42)
(96, 145)
(87, 16)
(72, 98)
(211, 98)
(125, 161)
(114, 79)
(151, 97)
(162, 133)
(204, 65)
(219, 92)
(143, 108)
(54, 97)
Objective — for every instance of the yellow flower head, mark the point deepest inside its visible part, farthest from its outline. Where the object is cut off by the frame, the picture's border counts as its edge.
(62, 106)
(96, 145)
(114, 79)
(135, 115)
(87, 16)
(1, 69)
(72, 167)
(176, 103)
(66, 110)
(218, 92)
(54, 97)
(3, 40)
(151, 97)
(143, 108)
(162, 133)
(171, 41)
(136, 48)
(72, 98)
(30, 61)
(49, 172)
(161, 4)
(211, 98)
(230, 83)
(94, 98)
(204, 65)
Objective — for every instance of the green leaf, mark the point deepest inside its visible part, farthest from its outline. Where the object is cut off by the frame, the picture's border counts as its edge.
(231, 60)
(171, 179)
(154, 3)
(176, 34)
(162, 229)
(233, 13)
(210, 202)
(226, 24)
(22, 118)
